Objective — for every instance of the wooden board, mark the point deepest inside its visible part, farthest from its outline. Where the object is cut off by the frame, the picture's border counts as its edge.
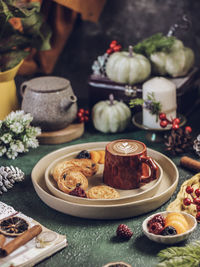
(71, 132)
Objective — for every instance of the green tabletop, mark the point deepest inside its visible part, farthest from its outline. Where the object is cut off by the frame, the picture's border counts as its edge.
(92, 243)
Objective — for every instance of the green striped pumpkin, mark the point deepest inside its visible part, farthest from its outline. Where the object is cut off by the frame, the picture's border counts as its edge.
(111, 116)
(128, 67)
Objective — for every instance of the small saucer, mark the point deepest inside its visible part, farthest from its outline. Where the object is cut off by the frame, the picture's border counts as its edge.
(173, 239)
(154, 134)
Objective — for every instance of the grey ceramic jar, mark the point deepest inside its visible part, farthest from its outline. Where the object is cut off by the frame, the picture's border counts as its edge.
(51, 102)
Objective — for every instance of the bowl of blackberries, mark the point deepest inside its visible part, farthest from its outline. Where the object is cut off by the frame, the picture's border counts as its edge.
(169, 227)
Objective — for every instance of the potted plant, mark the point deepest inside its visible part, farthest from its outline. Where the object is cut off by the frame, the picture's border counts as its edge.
(22, 27)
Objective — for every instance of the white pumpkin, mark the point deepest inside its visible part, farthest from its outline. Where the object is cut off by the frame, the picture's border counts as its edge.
(111, 116)
(128, 67)
(175, 63)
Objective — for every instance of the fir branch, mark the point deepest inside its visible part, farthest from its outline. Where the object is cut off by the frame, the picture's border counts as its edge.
(136, 102)
(155, 43)
(188, 256)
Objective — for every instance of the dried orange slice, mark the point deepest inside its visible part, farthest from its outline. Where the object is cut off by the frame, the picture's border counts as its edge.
(179, 226)
(95, 156)
(13, 226)
(176, 216)
(102, 156)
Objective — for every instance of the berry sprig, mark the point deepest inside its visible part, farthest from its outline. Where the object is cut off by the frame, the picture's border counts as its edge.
(83, 115)
(195, 200)
(164, 121)
(114, 47)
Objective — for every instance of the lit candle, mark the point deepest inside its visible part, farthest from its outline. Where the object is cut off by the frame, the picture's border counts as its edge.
(164, 92)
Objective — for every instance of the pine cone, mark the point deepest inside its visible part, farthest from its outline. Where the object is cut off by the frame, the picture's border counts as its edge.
(196, 145)
(8, 176)
(179, 141)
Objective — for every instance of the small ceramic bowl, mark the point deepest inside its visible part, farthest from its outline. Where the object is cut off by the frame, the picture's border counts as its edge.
(173, 238)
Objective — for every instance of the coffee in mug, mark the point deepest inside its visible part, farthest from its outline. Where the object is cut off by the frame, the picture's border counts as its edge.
(127, 165)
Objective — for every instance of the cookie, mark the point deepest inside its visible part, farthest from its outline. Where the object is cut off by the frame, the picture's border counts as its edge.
(86, 166)
(98, 156)
(70, 178)
(102, 192)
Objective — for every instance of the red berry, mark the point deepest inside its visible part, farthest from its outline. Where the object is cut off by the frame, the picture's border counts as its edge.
(157, 218)
(156, 228)
(175, 126)
(198, 208)
(86, 119)
(81, 110)
(189, 190)
(196, 201)
(163, 123)
(124, 231)
(81, 119)
(187, 201)
(176, 121)
(188, 129)
(197, 192)
(114, 42)
(117, 48)
(198, 216)
(162, 116)
(79, 114)
(109, 51)
(87, 112)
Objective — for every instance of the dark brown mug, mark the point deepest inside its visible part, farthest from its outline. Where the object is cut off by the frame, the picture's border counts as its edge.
(127, 165)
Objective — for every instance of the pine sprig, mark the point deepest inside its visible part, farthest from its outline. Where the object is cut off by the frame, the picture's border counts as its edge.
(155, 43)
(188, 256)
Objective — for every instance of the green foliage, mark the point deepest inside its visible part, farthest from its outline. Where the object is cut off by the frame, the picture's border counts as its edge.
(150, 103)
(188, 256)
(30, 31)
(155, 43)
(17, 135)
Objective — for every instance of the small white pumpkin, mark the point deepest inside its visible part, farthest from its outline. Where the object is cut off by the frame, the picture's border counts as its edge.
(128, 67)
(111, 116)
(175, 63)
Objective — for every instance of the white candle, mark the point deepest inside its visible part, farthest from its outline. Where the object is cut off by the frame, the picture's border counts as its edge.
(164, 92)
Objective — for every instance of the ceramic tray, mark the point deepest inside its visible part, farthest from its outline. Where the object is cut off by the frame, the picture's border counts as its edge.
(133, 208)
(146, 190)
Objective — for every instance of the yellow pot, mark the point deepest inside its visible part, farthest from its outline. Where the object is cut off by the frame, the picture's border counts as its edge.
(8, 99)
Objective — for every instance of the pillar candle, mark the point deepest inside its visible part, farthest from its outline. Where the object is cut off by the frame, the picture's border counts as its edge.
(164, 92)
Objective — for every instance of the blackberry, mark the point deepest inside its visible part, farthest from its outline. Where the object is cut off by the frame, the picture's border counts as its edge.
(157, 218)
(84, 154)
(169, 230)
(124, 232)
(78, 192)
(155, 228)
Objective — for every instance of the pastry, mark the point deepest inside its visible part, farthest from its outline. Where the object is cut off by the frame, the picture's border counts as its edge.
(87, 166)
(102, 192)
(69, 179)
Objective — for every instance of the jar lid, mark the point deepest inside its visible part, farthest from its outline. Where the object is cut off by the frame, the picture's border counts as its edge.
(48, 84)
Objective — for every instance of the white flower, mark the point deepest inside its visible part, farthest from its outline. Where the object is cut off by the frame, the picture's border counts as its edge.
(6, 138)
(2, 150)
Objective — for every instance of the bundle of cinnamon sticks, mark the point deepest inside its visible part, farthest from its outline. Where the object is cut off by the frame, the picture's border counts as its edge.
(6, 249)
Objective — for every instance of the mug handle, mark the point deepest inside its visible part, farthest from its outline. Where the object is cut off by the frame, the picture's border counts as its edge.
(153, 167)
(23, 88)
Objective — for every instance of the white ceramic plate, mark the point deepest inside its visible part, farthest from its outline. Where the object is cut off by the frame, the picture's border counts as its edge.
(133, 208)
(192, 223)
(146, 190)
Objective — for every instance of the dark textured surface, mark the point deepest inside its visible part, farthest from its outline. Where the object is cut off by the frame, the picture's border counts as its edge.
(92, 243)
(128, 22)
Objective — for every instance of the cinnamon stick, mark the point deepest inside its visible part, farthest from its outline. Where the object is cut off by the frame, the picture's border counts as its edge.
(2, 241)
(190, 163)
(21, 240)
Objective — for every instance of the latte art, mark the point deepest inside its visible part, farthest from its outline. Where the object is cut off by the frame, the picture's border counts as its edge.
(125, 147)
